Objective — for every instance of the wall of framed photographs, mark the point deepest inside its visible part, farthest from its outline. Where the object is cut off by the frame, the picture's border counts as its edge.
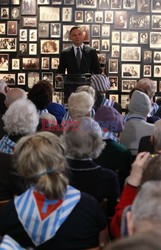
(125, 33)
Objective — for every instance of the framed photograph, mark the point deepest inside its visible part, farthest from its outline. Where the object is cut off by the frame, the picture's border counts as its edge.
(114, 98)
(66, 32)
(128, 85)
(44, 30)
(68, 2)
(58, 2)
(131, 70)
(105, 30)
(113, 66)
(89, 16)
(129, 4)
(49, 46)
(32, 48)
(15, 64)
(15, 2)
(156, 22)
(156, 6)
(86, 32)
(30, 63)
(47, 76)
(66, 45)
(43, 2)
(147, 57)
(12, 28)
(160, 86)
(15, 13)
(8, 44)
(115, 36)
(102, 58)
(105, 45)
(143, 5)
(116, 4)
(4, 2)
(129, 37)
(58, 97)
(4, 62)
(4, 13)
(131, 54)
(144, 38)
(23, 49)
(147, 71)
(103, 4)
(139, 22)
(155, 40)
(28, 7)
(45, 63)
(157, 70)
(120, 20)
(125, 101)
(29, 21)
(55, 29)
(67, 14)
(58, 84)
(2, 28)
(48, 14)
(86, 4)
(98, 16)
(23, 35)
(113, 82)
(95, 43)
(109, 16)
(8, 78)
(21, 78)
(78, 16)
(33, 35)
(33, 78)
(54, 62)
(95, 30)
(157, 57)
(115, 51)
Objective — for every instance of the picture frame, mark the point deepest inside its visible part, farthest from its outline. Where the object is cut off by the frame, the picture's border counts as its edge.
(4, 62)
(156, 22)
(89, 16)
(157, 57)
(23, 49)
(147, 56)
(47, 76)
(23, 35)
(21, 78)
(114, 98)
(105, 30)
(55, 29)
(104, 4)
(45, 63)
(28, 7)
(33, 78)
(67, 14)
(129, 5)
(29, 21)
(128, 85)
(155, 40)
(156, 6)
(113, 83)
(160, 87)
(113, 66)
(58, 97)
(9, 78)
(98, 16)
(15, 13)
(54, 62)
(105, 45)
(125, 101)
(102, 59)
(4, 2)
(108, 16)
(56, 2)
(32, 35)
(86, 32)
(68, 2)
(116, 4)
(139, 22)
(120, 20)
(143, 6)
(49, 46)
(32, 48)
(46, 14)
(79, 16)
(15, 64)
(2, 29)
(116, 37)
(95, 43)
(130, 70)
(131, 54)
(30, 63)
(86, 4)
(4, 13)
(8, 44)
(66, 32)
(15, 2)
(115, 50)
(129, 37)
(66, 45)
(43, 2)
(157, 70)
(95, 31)
(147, 71)
(43, 30)
(58, 85)
(12, 28)
(144, 38)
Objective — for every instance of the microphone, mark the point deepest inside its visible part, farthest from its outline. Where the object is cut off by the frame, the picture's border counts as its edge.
(84, 57)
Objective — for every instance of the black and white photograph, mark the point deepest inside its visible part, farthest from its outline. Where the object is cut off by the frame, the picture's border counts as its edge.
(66, 2)
(115, 51)
(15, 64)
(55, 29)
(143, 5)
(95, 32)
(155, 40)
(105, 45)
(66, 32)
(23, 35)
(8, 44)
(113, 65)
(116, 4)
(29, 21)
(32, 48)
(49, 46)
(128, 85)
(139, 21)
(157, 70)
(45, 63)
(43, 2)
(47, 76)
(95, 43)
(125, 101)
(86, 4)
(147, 71)
(5, 13)
(15, 2)
(156, 22)
(44, 30)
(131, 54)
(21, 78)
(49, 14)
(2, 28)
(120, 20)
(157, 57)
(108, 16)
(105, 30)
(114, 98)
(131, 70)
(102, 59)
(79, 16)
(113, 82)
(28, 7)
(54, 62)
(98, 16)
(58, 2)
(33, 78)
(12, 28)
(58, 97)
(32, 35)
(129, 37)
(23, 49)
(15, 13)
(67, 14)
(103, 4)
(129, 4)
(30, 63)
(4, 2)
(156, 6)
(89, 16)
(4, 62)
(147, 57)
(86, 32)
(115, 36)
(8, 78)
(144, 38)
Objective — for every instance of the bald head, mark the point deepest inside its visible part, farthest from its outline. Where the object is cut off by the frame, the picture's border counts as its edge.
(13, 95)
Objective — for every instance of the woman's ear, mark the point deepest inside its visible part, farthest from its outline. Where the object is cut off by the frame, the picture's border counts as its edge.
(130, 223)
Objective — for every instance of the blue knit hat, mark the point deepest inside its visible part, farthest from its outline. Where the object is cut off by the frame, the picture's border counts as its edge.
(57, 110)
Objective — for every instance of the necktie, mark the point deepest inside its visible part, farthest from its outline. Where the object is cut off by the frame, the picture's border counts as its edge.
(78, 57)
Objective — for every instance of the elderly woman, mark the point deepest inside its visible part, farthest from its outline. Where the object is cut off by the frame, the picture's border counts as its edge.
(84, 143)
(50, 214)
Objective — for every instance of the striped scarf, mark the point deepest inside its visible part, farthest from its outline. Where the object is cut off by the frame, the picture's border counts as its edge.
(6, 145)
(10, 244)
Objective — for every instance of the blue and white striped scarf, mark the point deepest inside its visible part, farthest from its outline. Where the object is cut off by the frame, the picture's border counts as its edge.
(6, 145)
(43, 111)
(10, 244)
(41, 230)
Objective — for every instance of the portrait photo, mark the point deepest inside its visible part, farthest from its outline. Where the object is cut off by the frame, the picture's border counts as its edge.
(116, 4)
(29, 21)
(45, 63)
(23, 49)
(32, 48)
(48, 14)
(28, 7)
(33, 35)
(33, 78)
(113, 82)
(8, 78)
(115, 36)
(2, 28)
(120, 20)
(155, 40)
(54, 63)
(55, 29)
(12, 28)
(125, 101)
(15, 13)
(131, 54)
(44, 30)
(66, 31)
(15, 64)
(4, 62)
(5, 13)
(21, 78)
(131, 70)
(102, 59)
(105, 45)
(129, 37)
(95, 43)
(144, 38)
(113, 65)
(156, 6)
(103, 4)
(49, 46)
(115, 51)
(58, 97)
(78, 16)
(139, 21)
(114, 98)
(98, 16)
(128, 85)
(86, 4)
(157, 57)
(95, 32)
(147, 58)
(8, 44)
(109, 16)
(156, 22)
(89, 16)
(43, 2)
(147, 71)
(129, 4)
(30, 63)
(157, 70)
(47, 76)
(67, 14)
(23, 35)
(143, 5)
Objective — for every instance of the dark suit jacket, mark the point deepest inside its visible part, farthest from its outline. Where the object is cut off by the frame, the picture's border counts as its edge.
(89, 61)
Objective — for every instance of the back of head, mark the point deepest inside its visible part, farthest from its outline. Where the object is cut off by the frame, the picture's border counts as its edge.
(57, 110)
(40, 159)
(147, 86)
(41, 94)
(21, 118)
(100, 83)
(80, 104)
(157, 135)
(109, 119)
(13, 95)
(139, 103)
(90, 90)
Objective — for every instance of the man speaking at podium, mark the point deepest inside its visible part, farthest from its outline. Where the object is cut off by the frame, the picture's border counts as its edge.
(78, 59)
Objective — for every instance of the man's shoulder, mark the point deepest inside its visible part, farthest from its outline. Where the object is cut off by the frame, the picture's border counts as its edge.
(88, 48)
(67, 50)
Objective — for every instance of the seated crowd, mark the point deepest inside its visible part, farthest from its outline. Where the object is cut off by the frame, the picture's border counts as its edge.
(85, 177)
